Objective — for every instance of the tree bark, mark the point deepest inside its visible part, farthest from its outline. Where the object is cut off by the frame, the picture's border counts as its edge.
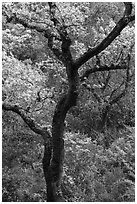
(54, 147)
(104, 118)
(54, 173)
(43, 131)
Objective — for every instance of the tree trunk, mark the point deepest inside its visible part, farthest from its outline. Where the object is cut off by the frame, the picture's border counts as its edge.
(104, 118)
(53, 160)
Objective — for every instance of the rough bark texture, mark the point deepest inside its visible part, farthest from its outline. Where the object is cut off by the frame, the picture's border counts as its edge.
(69, 100)
(54, 148)
(55, 170)
(35, 127)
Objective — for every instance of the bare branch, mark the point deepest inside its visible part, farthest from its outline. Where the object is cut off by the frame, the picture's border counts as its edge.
(123, 22)
(115, 90)
(61, 28)
(106, 82)
(34, 126)
(124, 92)
(100, 69)
(14, 18)
(92, 90)
(128, 8)
(48, 33)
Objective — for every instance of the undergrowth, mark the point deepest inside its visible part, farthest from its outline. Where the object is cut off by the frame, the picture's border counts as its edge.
(92, 173)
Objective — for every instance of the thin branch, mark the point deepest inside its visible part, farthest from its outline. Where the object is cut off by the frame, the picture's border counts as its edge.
(100, 69)
(115, 90)
(92, 90)
(117, 98)
(33, 125)
(106, 82)
(119, 56)
(47, 33)
(38, 22)
(128, 78)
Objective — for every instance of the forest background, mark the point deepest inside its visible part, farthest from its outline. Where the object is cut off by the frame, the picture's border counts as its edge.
(68, 85)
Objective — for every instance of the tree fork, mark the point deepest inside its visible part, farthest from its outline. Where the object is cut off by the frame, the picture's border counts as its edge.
(54, 148)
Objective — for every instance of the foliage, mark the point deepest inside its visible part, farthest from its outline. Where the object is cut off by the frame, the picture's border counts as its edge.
(22, 169)
(96, 174)
(91, 172)
(16, 86)
(99, 160)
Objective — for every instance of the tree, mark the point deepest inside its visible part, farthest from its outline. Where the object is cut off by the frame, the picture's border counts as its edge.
(53, 27)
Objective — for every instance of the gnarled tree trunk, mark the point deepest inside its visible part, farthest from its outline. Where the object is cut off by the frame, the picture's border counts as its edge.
(54, 146)
(54, 171)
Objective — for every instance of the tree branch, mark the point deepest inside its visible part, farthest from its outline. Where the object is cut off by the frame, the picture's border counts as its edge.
(100, 69)
(123, 22)
(128, 8)
(35, 127)
(124, 92)
(48, 33)
(92, 90)
(61, 29)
